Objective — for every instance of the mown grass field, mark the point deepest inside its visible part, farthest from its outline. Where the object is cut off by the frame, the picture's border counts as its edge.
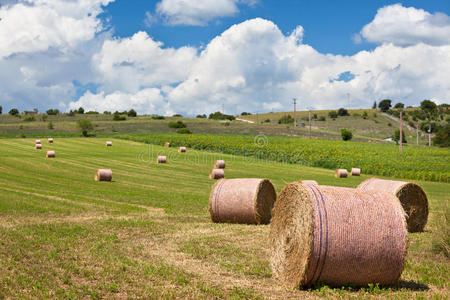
(148, 233)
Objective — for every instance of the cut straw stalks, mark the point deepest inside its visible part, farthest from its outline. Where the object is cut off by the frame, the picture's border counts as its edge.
(341, 173)
(103, 175)
(410, 195)
(243, 200)
(219, 164)
(50, 154)
(216, 174)
(161, 159)
(336, 236)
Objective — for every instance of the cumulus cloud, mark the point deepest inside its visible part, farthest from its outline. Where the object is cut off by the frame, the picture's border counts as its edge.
(130, 64)
(197, 12)
(405, 26)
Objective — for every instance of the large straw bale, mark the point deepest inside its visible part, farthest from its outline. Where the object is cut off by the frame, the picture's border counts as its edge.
(166, 144)
(37, 142)
(216, 174)
(182, 149)
(242, 200)
(161, 159)
(341, 173)
(219, 164)
(51, 153)
(108, 144)
(50, 140)
(308, 182)
(411, 196)
(337, 236)
(103, 175)
(356, 172)
(38, 146)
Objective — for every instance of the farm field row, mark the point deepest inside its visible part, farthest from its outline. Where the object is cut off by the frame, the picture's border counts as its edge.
(420, 163)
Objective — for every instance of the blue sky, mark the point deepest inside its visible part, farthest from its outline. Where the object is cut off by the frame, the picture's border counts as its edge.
(193, 57)
(329, 24)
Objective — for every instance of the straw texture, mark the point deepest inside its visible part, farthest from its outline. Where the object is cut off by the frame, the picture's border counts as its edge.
(38, 146)
(219, 164)
(103, 175)
(337, 236)
(216, 174)
(243, 200)
(166, 144)
(341, 173)
(182, 149)
(51, 153)
(309, 182)
(108, 143)
(356, 172)
(50, 140)
(161, 159)
(411, 196)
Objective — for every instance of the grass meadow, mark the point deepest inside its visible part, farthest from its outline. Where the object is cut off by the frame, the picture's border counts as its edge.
(147, 234)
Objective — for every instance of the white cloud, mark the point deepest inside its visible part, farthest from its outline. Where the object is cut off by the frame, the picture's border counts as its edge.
(129, 64)
(197, 12)
(406, 26)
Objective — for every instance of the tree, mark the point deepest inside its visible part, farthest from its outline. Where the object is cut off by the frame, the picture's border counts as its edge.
(428, 106)
(342, 112)
(346, 134)
(50, 125)
(14, 112)
(52, 112)
(85, 125)
(385, 104)
(132, 113)
(374, 106)
(118, 117)
(80, 111)
(286, 120)
(201, 116)
(442, 137)
(220, 116)
(364, 115)
(399, 105)
(333, 114)
(397, 136)
(177, 124)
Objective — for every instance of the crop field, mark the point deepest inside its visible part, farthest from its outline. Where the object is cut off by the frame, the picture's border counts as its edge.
(148, 233)
(421, 163)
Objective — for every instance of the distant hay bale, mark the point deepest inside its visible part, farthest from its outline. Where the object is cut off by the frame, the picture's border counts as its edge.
(50, 140)
(182, 149)
(219, 164)
(161, 159)
(108, 144)
(38, 142)
(336, 236)
(243, 200)
(356, 172)
(38, 146)
(411, 196)
(51, 153)
(308, 182)
(166, 144)
(341, 173)
(103, 175)
(216, 174)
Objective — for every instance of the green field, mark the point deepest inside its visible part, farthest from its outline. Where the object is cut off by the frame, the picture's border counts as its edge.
(148, 234)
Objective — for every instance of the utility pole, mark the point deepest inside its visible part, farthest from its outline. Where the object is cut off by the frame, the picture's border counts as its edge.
(401, 131)
(310, 123)
(223, 108)
(295, 117)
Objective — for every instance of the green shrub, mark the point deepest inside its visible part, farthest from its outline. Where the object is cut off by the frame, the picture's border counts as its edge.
(177, 116)
(118, 117)
(396, 136)
(365, 115)
(287, 119)
(85, 125)
(267, 121)
(177, 124)
(29, 119)
(322, 118)
(184, 131)
(132, 113)
(333, 114)
(201, 116)
(157, 117)
(346, 134)
(220, 116)
(92, 112)
(390, 124)
(22, 134)
(343, 112)
(50, 125)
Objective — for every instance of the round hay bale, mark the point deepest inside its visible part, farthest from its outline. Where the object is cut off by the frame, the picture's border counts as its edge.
(50, 140)
(337, 236)
(103, 175)
(182, 149)
(166, 144)
(356, 172)
(50, 153)
(341, 173)
(38, 146)
(108, 144)
(216, 174)
(219, 164)
(308, 182)
(243, 200)
(37, 141)
(411, 196)
(161, 159)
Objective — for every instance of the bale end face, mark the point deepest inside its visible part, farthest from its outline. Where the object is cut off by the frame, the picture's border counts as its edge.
(216, 174)
(161, 159)
(341, 173)
(103, 175)
(182, 149)
(51, 154)
(356, 172)
(219, 164)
